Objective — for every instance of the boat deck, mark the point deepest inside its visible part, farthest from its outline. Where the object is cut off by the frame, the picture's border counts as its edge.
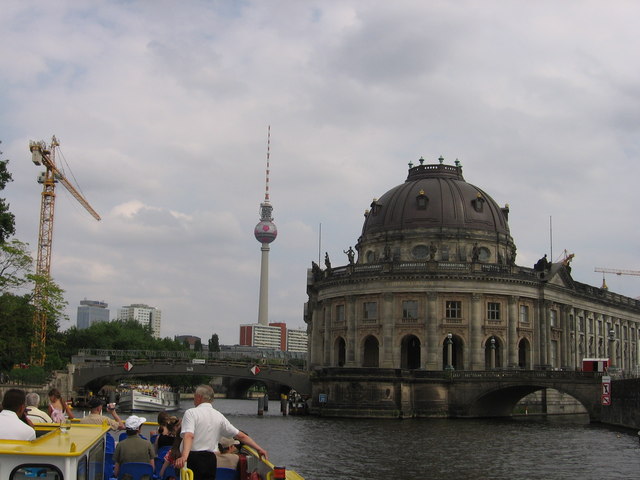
(51, 441)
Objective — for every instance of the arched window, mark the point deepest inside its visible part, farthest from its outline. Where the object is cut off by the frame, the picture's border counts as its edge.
(340, 352)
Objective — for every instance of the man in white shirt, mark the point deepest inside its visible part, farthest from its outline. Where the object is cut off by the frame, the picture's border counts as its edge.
(33, 412)
(202, 428)
(13, 407)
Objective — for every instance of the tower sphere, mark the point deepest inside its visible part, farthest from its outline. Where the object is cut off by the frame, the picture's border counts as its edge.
(265, 232)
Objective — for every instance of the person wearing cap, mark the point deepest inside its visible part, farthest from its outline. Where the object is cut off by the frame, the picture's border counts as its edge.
(13, 408)
(202, 428)
(33, 412)
(97, 418)
(227, 454)
(133, 448)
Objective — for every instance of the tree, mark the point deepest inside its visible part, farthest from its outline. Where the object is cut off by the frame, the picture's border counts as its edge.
(15, 265)
(214, 343)
(7, 219)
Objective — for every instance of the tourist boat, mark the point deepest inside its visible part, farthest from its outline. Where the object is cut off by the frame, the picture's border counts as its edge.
(83, 452)
(148, 400)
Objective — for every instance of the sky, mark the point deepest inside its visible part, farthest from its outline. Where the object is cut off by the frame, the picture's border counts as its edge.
(162, 110)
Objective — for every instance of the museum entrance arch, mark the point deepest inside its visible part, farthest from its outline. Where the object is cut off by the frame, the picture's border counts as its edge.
(371, 352)
(410, 352)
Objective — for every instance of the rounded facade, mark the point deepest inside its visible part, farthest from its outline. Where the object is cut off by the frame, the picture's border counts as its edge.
(435, 286)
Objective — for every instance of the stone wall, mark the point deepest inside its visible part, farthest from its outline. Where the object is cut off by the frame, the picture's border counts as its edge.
(624, 410)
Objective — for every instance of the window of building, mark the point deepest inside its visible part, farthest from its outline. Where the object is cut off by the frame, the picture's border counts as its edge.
(409, 310)
(553, 318)
(444, 253)
(524, 313)
(422, 201)
(581, 324)
(420, 252)
(453, 309)
(339, 313)
(370, 311)
(493, 311)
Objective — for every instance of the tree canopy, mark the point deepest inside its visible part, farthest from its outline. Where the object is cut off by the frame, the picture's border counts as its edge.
(7, 219)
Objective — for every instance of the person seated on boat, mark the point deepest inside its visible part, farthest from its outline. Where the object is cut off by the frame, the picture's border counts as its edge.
(168, 435)
(133, 448)
(58, 408)
(33, 412)
(13, 407)
(227, 454)
(97, 418)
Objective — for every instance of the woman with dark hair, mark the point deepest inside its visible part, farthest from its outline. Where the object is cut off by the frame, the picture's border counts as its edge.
(175, 424)
(166, 435)
(58, 408)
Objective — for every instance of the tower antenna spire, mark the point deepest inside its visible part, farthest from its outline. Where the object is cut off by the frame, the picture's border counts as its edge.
(266, 183)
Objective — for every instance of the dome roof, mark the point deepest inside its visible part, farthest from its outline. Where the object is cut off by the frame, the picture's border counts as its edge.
(435, 197)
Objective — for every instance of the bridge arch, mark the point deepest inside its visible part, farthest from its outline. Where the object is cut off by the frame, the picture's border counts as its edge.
(501, 401)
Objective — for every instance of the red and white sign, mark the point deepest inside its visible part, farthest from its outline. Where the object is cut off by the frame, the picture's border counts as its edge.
(605, 398)
(128, 366)
(255, 369)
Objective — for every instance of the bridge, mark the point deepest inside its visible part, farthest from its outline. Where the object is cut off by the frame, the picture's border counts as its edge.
(453, 394)
(285, 376)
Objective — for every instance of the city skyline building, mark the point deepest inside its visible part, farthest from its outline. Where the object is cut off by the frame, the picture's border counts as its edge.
(297, 340)
(90, 312)
(143, 314)
(263, 336)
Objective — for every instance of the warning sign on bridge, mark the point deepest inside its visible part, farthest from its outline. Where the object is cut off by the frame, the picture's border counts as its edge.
(605, 400)
(128, 366)
(255, 369)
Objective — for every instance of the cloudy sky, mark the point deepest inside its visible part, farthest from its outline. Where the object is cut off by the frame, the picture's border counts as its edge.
(162, 109)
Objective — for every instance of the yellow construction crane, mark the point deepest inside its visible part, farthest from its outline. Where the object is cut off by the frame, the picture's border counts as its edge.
(43, 155)
(616, 271)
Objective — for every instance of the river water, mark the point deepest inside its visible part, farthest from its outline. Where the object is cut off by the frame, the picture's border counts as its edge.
(318, 448)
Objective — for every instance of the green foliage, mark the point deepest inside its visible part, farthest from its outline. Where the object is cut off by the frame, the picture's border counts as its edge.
(214, 343)
(15, 265)
(115, 335)
(7, 219)
(16, 325)
(32, 375)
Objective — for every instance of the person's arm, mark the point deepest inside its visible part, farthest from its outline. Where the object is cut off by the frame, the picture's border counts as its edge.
(164, 467)
(246, 439)
(187, 442)
(117, 418)
(116, 468)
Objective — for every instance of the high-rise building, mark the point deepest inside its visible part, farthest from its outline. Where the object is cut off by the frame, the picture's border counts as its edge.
(263, 336)
(90, 312)
(297, 341)
(144, 315)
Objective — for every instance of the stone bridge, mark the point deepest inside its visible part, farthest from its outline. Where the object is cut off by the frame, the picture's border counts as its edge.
(375, 392)
(100, 373)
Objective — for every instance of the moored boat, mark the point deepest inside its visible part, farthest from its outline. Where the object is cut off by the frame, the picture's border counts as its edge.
(148, 400)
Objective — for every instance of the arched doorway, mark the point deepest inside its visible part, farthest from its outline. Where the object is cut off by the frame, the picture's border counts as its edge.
(340, 352)
(410, 352)
(452, 353)
(524, 349)
(371, 352)
(492, 353)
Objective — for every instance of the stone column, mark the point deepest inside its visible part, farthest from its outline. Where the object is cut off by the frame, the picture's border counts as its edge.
(475, 334)
(564, 341)
(327, 337)
(353, 346)
(388, 328)
(512, 344)
(432, 346)
(316, 336)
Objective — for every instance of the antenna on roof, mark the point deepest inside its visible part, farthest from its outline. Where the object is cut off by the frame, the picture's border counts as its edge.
(266, 185)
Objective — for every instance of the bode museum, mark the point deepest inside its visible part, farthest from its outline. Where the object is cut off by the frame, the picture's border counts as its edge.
(433, 286)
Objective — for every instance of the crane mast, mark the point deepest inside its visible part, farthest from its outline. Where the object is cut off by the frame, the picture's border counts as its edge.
(43, 155)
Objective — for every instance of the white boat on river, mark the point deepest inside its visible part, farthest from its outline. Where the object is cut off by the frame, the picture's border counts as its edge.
(148, 400)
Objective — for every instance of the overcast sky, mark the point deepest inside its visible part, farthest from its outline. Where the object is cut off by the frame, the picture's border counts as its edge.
(162, 109)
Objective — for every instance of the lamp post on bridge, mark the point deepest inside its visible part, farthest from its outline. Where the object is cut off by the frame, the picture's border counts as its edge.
(449, 343)
(612, 347)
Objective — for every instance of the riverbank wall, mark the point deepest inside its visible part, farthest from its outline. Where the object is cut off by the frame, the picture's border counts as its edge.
(624, 410)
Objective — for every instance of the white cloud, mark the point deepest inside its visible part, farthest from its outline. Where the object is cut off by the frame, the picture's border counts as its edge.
(162, 110)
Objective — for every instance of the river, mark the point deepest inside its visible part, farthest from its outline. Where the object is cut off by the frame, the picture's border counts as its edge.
(529, 448)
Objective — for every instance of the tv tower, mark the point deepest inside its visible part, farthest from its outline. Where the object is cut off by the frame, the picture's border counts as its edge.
(265, 232)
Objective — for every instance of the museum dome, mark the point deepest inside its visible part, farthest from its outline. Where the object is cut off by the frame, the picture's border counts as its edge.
(435, 196)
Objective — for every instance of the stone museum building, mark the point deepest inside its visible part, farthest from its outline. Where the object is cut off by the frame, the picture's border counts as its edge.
(433, 285)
